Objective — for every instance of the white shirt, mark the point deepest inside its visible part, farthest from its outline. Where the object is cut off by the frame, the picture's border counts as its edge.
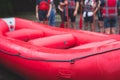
(91, 2)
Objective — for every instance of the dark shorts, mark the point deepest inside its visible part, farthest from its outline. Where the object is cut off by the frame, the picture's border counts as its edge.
(70, 15)
(42, 15)
(118, 12)
(110, 22)
(88, 19)
(99, 14)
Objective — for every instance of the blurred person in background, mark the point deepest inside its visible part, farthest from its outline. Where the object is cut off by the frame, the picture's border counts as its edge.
(43, 10)
(89, 12)
(52, 14)
(70, 10)
(110, 14)
(100, 17)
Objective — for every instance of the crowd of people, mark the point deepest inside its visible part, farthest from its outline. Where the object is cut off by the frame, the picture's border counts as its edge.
(106, 11)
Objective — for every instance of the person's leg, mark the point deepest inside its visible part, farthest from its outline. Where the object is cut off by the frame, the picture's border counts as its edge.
(108, 30)
(85, 25)
(62, 19)
(73, 25)
(41, 19)
(92, 27)
(113, 30)
(119, 23)
(107, 25)
(68, 18)
(86, 19)
(101, 27)
(65, 19)
(100, 24)
(66, 24)
(45, 21)
(72, 18)
(100, 21)
(91, 20)
(113, 25)
(73, 22)
(52, 18)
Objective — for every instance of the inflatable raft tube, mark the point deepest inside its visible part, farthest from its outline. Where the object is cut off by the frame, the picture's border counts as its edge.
(57, 54)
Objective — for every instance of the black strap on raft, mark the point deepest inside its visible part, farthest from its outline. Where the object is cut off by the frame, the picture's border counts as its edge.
(71, 60)
(9, 53)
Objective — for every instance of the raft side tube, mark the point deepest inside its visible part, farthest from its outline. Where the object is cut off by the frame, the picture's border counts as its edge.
(25, 34)
(56, 41)
(94, 44)
(7, 47)
(3, 27)
(84, 38)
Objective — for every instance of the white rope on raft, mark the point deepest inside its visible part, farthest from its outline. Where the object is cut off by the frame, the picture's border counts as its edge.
(11, 23)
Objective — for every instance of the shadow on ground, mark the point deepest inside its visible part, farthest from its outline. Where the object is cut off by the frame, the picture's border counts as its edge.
(6, 74)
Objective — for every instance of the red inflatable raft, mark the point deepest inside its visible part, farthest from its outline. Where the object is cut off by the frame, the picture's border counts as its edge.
(41, 52)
